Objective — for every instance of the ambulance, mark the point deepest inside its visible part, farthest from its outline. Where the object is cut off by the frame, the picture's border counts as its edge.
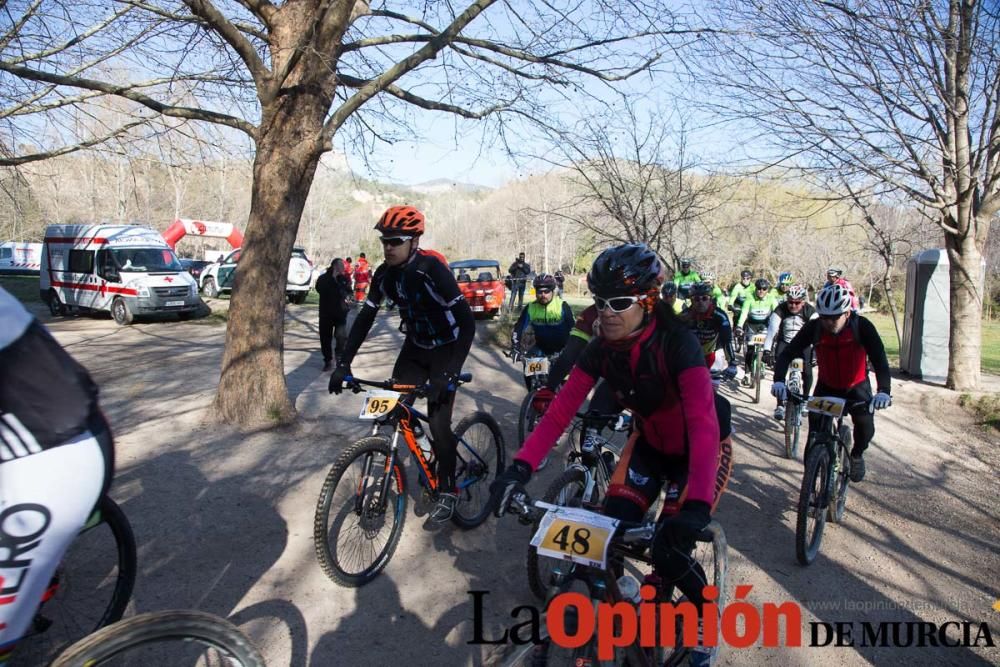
(127, 270)
(20, 258)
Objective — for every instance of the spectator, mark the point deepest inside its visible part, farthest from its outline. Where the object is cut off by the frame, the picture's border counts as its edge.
(334, 289)
(362, 276)
(560, 282)
(519, 272)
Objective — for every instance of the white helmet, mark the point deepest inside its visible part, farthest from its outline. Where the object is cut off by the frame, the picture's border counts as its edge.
(796, 292)
(833, 300)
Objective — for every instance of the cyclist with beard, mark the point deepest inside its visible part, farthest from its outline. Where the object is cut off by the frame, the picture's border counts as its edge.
(439, 332)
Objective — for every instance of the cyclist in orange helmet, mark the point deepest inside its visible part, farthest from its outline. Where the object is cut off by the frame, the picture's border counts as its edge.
(439, 332)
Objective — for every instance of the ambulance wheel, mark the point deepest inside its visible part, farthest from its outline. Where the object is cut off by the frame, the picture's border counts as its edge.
(121, 312)
(55, 305)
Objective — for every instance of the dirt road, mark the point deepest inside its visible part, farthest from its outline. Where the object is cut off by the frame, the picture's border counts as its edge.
(224, 519)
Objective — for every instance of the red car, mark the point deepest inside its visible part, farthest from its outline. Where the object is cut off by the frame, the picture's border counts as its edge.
(482, 284)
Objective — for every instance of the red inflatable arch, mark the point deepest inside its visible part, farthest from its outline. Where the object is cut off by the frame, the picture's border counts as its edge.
(221, 230)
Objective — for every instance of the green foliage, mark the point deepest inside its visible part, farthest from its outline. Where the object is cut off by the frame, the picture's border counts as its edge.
(24, 288)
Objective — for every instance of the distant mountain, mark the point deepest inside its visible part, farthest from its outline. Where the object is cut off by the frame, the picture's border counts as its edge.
(442, 185)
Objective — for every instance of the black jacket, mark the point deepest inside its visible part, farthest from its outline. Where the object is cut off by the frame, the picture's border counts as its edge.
(333, 295)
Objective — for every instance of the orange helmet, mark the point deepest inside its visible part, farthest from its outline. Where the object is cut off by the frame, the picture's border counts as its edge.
(401, 220)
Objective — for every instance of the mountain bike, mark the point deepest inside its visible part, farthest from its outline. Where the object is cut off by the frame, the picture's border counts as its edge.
(536, 374)
(90, 589)
(164, 638)
(793, 409)
(755, 343)
(362, 507)
(823, 495)
(592, 550)
(583, 483)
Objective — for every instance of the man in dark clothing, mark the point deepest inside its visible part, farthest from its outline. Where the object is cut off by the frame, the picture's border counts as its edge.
(334, 290)
(519, 272)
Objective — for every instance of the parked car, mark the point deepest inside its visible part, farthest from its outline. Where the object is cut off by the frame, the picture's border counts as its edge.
(481, 281)
(194, 266)
(217, 277)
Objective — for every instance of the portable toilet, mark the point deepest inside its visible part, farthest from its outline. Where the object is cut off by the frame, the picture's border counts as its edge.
(927, 319)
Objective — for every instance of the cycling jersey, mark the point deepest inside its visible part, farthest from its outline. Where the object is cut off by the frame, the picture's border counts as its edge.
(842, 358)
(688, 278)
(785, 324)
(738, 294)
(551, 322)
(428, 298)
(713, 331)
(719, 297)
(662, 378)
(755, 310)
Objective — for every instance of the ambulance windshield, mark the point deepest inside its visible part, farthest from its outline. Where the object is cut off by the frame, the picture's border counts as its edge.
(146, 260)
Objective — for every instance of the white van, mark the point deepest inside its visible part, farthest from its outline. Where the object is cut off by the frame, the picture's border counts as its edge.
(127, 270)
(20, 258)
(218, 277)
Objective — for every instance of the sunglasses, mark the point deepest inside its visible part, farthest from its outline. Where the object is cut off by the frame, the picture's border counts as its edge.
(831, 318)
(617, 304)
(701, 298)
(394, 241)
(794, 302)
(543, 290)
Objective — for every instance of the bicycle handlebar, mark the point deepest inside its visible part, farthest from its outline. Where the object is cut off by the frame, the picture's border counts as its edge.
(847, 408)
(357, 385)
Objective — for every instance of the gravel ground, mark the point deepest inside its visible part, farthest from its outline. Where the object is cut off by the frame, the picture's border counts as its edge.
(224, 518)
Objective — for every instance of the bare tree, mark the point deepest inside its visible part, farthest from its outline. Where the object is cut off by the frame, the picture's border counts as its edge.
(898, 94)
(634, 182)
(294, 77)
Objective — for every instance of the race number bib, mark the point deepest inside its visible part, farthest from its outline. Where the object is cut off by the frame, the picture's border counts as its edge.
(536, 366)
(827, 405)
(571, 533)
(758, 339)
(378, 403)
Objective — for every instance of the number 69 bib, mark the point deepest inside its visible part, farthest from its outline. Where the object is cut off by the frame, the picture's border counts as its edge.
(571, 533)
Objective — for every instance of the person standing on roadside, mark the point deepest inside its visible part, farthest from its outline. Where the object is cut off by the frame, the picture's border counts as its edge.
(334, 289)
(519, 272)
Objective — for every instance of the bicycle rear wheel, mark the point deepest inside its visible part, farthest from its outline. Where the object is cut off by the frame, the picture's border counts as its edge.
(91, 588)
(793, 428)
(811, 516)
(165, 638)
(838, 500)
(356, 529)
(481, 457)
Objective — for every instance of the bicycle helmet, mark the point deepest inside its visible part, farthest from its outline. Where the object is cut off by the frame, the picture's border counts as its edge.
(701, 289)
(833, 300)
(632, 269)
(401, 221)
(762, 283)
(708, 277)
(544, 281)
(685, 263)
(669, 289)
(785, 278)
(834, 272)
(746, 273)
(797, 292)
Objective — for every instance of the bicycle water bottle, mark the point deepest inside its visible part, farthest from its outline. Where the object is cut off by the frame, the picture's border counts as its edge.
(423, 442)
(629, 587)
(590, 438)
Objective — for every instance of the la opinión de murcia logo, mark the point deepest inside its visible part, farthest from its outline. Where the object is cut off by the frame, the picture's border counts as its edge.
(738, 624)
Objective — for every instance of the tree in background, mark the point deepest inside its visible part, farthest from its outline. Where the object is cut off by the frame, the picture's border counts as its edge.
(293, 77)
(892, 96)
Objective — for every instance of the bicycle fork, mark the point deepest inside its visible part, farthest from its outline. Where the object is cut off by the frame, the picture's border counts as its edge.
(368, 482)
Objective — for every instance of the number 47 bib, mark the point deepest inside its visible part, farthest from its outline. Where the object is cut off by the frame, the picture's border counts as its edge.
(571, 533)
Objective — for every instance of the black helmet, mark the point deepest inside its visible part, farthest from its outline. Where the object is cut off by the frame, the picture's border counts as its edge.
(669, 289)
(701, 289)
(746, 273)
(626, 270)
(544, 281)
(685, 262)
(763, 283)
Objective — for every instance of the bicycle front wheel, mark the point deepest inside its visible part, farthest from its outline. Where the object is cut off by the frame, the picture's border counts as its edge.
(360, 513)
(480, 458)
(811, 516)
(165, 638)
(793, 428)
(758, 374)
(566, 490)
(91, 588)
(527, 418)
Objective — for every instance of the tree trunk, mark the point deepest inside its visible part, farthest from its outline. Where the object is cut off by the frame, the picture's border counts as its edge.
(252, 387)
(964, 347)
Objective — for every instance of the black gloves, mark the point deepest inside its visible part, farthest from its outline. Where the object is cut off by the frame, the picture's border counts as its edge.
(439, 385)
(511, 481)
(337, 378)
(681, 530)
